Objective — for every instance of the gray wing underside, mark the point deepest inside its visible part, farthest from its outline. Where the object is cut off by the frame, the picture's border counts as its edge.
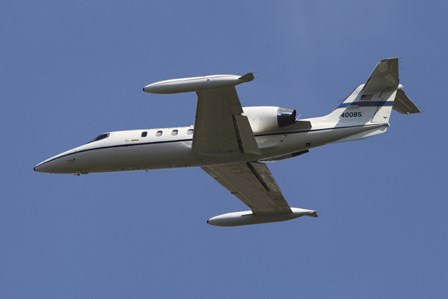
(220, 126)
(253, 184)
(221, 129)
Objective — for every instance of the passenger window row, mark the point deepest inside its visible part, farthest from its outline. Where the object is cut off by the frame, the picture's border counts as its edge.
(173, 132)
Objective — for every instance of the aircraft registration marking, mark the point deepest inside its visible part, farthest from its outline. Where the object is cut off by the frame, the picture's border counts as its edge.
(351, 114)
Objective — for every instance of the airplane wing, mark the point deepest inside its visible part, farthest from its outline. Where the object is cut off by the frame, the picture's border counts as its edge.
(253, 184)
(220, 126)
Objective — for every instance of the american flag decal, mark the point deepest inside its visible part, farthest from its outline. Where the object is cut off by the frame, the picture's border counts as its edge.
(366, 97)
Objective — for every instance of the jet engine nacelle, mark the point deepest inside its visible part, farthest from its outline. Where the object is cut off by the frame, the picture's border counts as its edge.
(268, 118)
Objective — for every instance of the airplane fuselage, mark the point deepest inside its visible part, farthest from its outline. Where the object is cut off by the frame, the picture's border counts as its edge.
(172, 148)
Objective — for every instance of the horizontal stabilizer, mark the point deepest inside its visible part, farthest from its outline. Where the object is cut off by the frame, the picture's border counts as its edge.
(403, 104)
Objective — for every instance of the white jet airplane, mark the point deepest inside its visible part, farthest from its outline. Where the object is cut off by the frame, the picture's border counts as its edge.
(232, 144)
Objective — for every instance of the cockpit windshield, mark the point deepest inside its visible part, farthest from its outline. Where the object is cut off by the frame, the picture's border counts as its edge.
(99, 137)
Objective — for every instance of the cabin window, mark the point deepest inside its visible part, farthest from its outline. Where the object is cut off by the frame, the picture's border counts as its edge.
(190, 131)
(174, 132)
(159, 133)
(144, 134)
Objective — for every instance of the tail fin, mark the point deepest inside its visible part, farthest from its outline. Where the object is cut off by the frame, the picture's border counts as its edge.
(372, 102)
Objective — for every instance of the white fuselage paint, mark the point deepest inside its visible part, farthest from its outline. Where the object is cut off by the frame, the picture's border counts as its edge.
(128, 150)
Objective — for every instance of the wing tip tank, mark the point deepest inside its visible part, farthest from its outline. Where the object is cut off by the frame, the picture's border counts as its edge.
(247, 217)
(196, 83)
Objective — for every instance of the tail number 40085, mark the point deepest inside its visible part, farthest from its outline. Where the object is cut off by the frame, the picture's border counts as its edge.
(352, 114)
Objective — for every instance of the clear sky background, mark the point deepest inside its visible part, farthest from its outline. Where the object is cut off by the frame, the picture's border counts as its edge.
(71, 70)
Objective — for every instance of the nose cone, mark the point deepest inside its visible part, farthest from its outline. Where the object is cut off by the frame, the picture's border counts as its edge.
(49, 166)
(39, 168)
(62, 163)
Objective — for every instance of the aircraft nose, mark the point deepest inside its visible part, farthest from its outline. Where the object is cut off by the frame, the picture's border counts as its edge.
(44, 166)
(62, 163)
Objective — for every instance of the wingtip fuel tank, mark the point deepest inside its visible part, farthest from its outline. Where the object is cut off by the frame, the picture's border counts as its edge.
(247, 217)
(196, 83)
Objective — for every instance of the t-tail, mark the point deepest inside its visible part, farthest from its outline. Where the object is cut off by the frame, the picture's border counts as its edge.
(371, 103)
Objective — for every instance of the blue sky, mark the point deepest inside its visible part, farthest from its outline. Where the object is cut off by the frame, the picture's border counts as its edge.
(73, 69)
